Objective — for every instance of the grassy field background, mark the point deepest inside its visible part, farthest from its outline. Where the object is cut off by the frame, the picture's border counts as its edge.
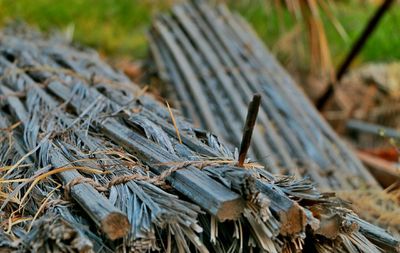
(117, 28)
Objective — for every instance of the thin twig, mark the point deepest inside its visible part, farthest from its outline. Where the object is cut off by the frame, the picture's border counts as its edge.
(174, 122)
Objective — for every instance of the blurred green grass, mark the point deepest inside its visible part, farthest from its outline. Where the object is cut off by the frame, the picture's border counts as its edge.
(113, 27)
(353, 16)
(117, 28)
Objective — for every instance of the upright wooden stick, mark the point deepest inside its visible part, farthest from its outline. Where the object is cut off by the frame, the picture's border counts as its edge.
(248, 127)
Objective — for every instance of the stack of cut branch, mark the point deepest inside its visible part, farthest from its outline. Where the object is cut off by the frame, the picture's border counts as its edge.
(90, 163)
(214, 63)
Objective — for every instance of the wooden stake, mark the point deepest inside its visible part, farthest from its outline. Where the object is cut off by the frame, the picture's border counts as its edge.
(248, 127)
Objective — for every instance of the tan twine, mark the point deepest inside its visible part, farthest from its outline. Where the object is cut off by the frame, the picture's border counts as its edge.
(157, 180)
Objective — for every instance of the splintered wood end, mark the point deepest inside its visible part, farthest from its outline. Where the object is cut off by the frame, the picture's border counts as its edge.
(293, 221)
(115, 225)
(231, 210)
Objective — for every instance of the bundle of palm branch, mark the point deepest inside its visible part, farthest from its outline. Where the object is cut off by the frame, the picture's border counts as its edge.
(212, 62)
(91, 163)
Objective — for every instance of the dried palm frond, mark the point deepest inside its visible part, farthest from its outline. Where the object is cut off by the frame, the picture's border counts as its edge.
(378, 207)
(118, 157)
